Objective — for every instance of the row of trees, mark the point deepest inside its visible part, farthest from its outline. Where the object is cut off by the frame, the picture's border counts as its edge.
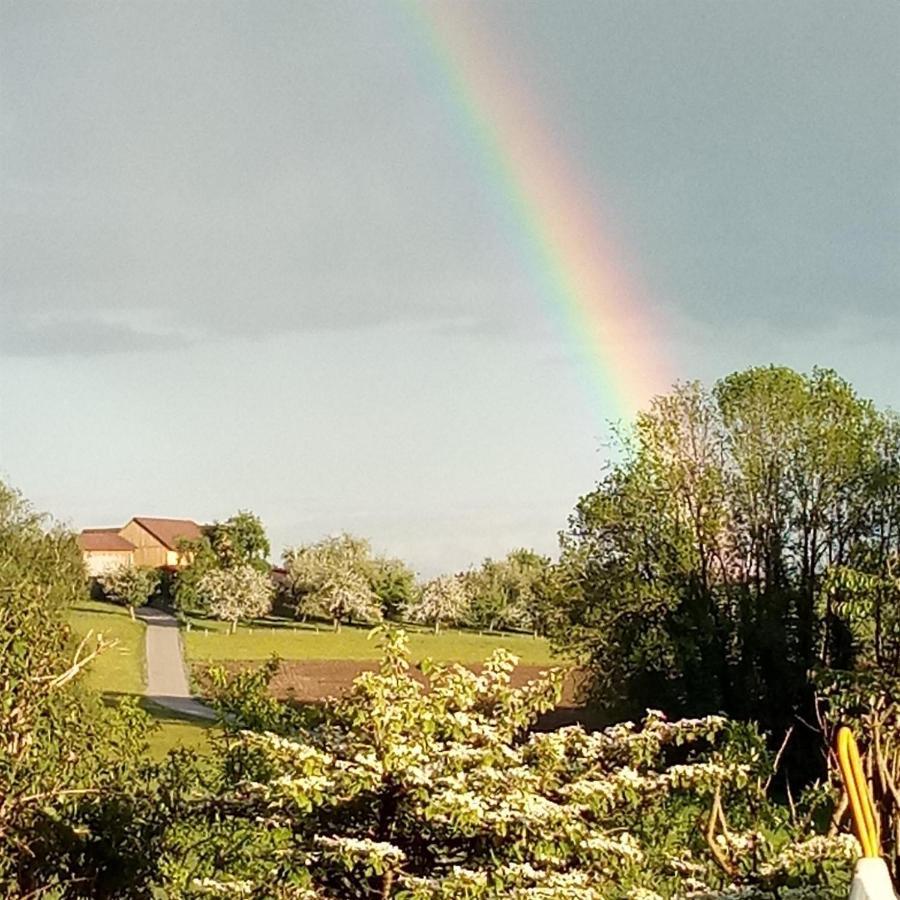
(740, 557)
(743, 546)
(341, 580)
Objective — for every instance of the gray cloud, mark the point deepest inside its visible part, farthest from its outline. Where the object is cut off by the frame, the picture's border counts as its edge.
(234, 175)
(245, 171)
(81, 337)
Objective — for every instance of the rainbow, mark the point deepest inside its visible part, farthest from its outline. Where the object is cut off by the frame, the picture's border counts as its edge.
(579, 271)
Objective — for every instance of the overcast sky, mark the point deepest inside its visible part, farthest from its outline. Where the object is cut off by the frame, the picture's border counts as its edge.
(249, 259)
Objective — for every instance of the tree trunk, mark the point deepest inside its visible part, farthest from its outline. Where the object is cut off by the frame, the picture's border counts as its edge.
(387, 812)
(437, 626)
(131, 611)
(337, 626)
(233, 628)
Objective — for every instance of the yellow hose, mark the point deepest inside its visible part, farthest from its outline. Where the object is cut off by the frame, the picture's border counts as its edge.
(858, 793)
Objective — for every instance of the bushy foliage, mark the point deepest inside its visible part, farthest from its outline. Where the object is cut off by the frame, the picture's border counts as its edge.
(394, 584)
(185, 590)
(441, 791)
(240, 540)
(61, 751)
(518, 592)
(131, 586)
(443, 600)
(864, 610)
(239, 592)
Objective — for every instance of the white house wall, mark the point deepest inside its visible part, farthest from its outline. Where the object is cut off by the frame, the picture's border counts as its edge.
(99, 562)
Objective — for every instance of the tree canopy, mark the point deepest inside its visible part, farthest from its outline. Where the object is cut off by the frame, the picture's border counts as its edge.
(237, 592)
(129, 585)
(240, 540)
(699, 565)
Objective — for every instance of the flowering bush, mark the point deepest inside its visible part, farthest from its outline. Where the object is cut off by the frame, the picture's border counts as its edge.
(442, 791)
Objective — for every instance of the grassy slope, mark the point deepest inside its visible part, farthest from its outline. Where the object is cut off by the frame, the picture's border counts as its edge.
(120, 671)
(209, 640)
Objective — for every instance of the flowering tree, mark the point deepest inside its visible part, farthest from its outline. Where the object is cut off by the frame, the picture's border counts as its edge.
(130, 585)
(440, 791)
(333, 579)
(242, 592)
(443, 599)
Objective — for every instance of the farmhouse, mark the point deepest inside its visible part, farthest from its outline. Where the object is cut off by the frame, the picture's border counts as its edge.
(104, 549)
(156, 540)
(143, 541)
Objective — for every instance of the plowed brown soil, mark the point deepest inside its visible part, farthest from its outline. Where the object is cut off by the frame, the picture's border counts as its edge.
(311, 681)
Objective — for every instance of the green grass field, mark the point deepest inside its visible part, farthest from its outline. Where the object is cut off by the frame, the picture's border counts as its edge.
(120, 671)
(209, 640)
(176, 731)
(120, 668)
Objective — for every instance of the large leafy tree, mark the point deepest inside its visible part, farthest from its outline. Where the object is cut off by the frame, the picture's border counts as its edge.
(241, 540)
(488, 588)
(698, 561)
(202, 558)
(394, 584)
(516, 592)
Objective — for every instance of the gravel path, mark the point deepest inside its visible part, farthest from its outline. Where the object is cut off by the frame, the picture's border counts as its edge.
(167, 682)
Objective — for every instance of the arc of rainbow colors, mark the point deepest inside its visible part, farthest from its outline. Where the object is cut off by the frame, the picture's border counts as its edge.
(581, 277)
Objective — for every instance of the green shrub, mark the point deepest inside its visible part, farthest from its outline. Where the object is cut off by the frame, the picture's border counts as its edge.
(60, 748)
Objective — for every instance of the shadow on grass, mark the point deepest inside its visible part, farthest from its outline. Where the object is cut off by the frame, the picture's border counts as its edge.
(94, 610)
(199, 622)
(161, 714)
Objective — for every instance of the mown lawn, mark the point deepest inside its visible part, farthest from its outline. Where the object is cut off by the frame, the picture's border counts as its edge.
(209, 640)
(120, 671)
(176, 731)
(119, 668)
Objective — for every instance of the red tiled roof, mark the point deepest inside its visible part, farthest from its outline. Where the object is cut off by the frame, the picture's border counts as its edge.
(170, 531)
(103, 539)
